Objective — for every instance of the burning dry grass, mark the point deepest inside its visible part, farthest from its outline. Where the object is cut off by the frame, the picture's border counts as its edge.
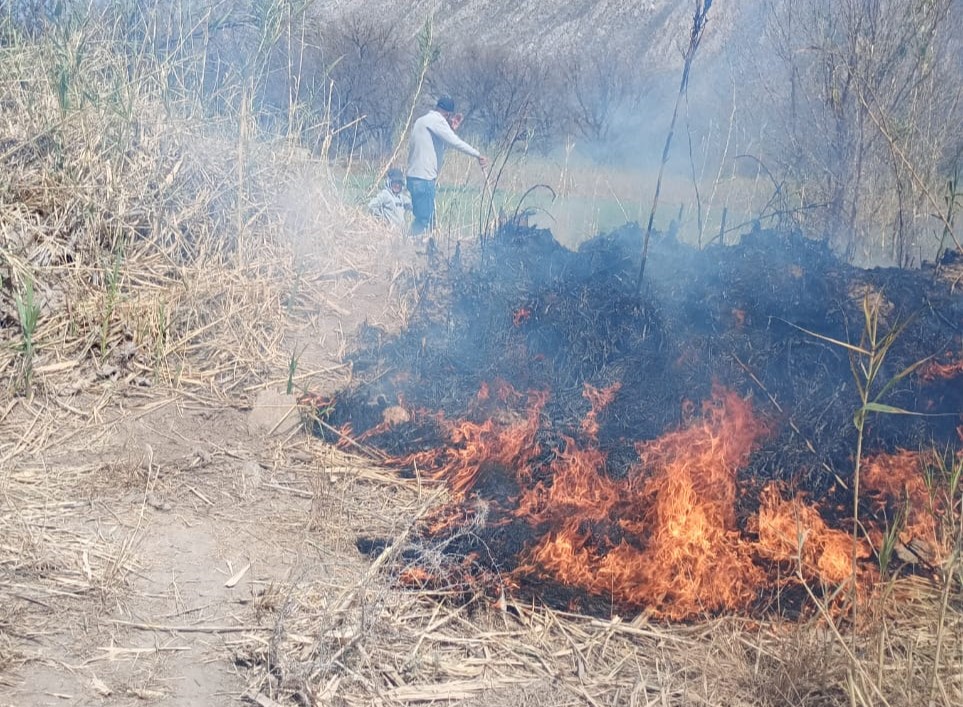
(409, 628)
(376, 636)
(883, 642)
(902, 640)
(169, 260)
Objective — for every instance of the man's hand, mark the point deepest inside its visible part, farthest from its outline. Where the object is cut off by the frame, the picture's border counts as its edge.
(455, 120)
(483, 161)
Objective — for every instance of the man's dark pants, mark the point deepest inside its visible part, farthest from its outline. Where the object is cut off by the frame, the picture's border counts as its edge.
(422, 204)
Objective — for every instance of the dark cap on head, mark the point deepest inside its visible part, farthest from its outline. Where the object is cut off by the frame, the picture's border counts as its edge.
(395, 175)
(446, 104)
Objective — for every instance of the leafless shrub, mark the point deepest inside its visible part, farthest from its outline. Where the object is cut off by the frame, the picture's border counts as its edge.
(310, 76)
(503, 91)
(586, 92)
(601, 87)
(31, 17)
(369, 64)
(861, 110)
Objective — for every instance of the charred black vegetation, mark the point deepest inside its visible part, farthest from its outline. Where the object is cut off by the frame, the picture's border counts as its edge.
(746, 318)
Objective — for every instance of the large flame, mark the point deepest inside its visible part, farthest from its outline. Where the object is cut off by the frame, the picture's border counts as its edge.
(665, 536)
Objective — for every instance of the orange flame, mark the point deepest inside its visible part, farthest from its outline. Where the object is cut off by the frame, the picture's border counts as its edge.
(578, 490)
(521, 315)
(599, 398)
(933, 371)
(793, 532)
(900, 479)
(471, 445)
(666, 536)
(414, 576)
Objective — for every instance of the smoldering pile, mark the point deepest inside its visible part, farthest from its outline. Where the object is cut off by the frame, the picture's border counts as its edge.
(559, 349)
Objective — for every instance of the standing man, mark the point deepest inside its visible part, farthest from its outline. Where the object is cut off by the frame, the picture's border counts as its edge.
(431, 134)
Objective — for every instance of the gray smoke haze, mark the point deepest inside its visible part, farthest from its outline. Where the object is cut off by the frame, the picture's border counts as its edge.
(839, 119)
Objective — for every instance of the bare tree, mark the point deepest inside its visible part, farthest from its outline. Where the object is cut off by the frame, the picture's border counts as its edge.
(864, 106)
(599, 88)
(502, 90)
(369, 63)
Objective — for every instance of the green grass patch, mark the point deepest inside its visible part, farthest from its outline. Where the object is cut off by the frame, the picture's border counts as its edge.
(576, 198)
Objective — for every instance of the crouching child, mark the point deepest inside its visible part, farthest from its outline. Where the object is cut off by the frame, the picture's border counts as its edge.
(391, 204)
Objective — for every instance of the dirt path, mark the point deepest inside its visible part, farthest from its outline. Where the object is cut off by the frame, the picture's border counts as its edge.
(155, 530)
(185, 500)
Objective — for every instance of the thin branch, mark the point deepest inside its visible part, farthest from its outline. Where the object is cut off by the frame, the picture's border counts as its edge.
(695, 37)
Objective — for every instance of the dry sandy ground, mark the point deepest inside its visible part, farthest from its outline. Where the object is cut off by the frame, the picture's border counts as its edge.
(154, 527)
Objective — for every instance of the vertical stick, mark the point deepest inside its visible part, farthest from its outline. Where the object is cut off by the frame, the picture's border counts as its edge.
(241, 156)
(695, 36)
(427, 53)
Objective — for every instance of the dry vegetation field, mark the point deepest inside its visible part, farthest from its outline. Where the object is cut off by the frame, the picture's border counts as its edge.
(169, 283)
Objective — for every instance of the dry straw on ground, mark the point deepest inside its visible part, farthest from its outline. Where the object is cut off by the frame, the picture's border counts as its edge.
(173, 264)
(159, 280)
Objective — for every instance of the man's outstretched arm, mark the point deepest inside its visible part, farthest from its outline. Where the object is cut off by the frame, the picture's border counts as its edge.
(442, 130)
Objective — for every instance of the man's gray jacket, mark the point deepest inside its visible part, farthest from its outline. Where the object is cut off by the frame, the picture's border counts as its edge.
(430, 135)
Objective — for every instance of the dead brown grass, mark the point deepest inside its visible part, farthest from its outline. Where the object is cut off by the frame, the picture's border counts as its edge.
(162, 280)
(165, 279)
